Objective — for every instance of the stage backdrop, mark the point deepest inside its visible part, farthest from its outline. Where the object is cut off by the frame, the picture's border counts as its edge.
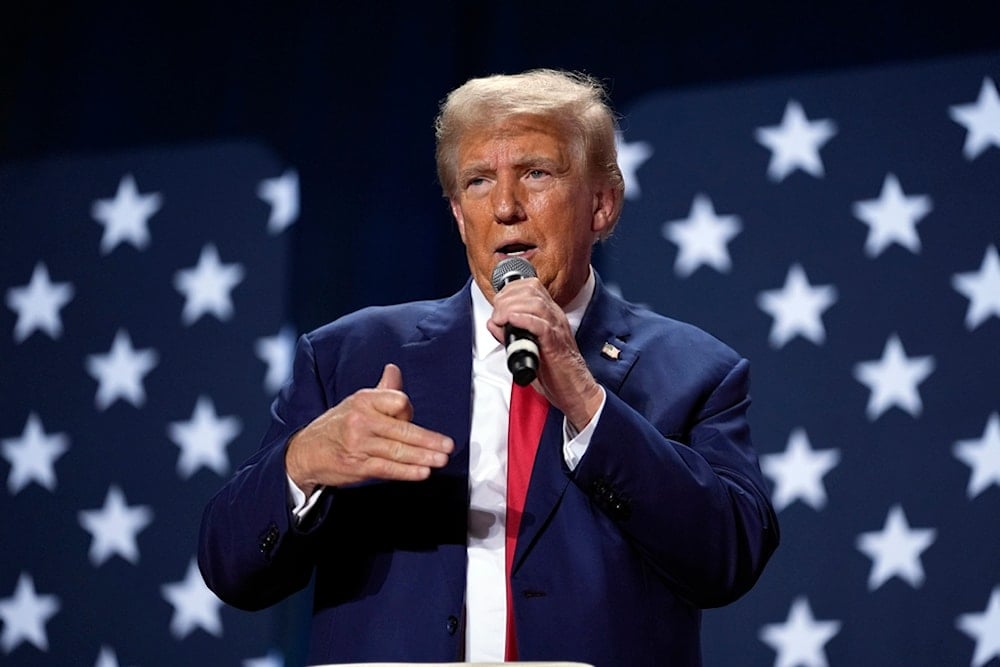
(840, 230)
(144, 337)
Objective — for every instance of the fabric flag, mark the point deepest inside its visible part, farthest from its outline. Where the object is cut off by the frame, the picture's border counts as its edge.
(841, 231)
(143, 336)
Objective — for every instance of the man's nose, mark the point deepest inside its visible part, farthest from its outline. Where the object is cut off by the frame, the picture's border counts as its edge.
(507, 207)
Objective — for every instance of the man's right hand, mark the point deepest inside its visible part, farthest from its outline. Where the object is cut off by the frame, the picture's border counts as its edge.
(368, 435)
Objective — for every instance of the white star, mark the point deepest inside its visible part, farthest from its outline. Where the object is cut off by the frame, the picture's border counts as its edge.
(799, 641)
(981, 120)
(893, 379)
(203, 439)
(195, 606)
(795, 143)
(892, 218)
(25, 614)
(119, 373)
(798, 472)
(985, 629)
(272, 659)
(126, 217)
(282, 193)
(32, 457)
(106, 658)
(797, 308)
(981, 288)
(630, 158)
(277, 352)
(37, 304)
(983, 456)
(895, 550)
(114, 528)
(206, 287)
(701, 238)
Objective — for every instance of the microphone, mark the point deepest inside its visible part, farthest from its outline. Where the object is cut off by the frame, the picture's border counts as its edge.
(522, 347)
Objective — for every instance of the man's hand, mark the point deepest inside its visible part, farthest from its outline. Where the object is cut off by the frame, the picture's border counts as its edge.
(563, 376)
(368, 435)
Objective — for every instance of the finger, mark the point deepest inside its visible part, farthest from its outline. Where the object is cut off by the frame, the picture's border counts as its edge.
(533, 304)
(385, 469)
(392, 378)
(496, 330)
(410, 434)
(399, 452)
(539, 328)
(391, 402)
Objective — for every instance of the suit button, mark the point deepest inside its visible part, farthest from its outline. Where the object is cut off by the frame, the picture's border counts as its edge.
(268, 539)
(622, 509)
(452, 625)
(599, 487)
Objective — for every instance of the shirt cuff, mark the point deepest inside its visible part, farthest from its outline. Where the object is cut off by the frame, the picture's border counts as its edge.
(301, 505)
(575, 443)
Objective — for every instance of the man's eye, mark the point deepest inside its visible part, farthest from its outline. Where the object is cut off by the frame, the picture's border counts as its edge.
(537, 173)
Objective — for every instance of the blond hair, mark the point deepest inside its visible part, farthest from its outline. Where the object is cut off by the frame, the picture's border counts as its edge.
(575, 101)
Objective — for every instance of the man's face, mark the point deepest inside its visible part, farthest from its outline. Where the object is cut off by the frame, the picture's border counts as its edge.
(522, 190)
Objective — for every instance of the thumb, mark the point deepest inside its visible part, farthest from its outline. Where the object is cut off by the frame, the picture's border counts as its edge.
(497, 331)
(392, 378)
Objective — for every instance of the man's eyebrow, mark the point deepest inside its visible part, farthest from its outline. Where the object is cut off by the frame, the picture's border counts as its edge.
(550, 163)
(474, 169)
(483, 167)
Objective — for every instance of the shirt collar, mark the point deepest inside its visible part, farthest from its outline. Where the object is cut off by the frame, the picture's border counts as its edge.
(483, 342)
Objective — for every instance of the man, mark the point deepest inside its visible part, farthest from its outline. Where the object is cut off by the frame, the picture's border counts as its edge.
(383, 471)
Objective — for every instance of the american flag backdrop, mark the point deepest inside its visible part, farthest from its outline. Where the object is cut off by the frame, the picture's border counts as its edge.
(145, 334)
(840, 230)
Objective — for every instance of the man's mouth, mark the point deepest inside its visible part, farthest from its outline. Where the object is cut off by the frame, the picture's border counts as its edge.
(515, 249)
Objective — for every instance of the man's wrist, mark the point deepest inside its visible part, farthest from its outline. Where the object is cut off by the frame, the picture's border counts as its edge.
(593, 399)
(294, 468)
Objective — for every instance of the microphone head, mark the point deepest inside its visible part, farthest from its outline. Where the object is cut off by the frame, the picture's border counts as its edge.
(510, 269)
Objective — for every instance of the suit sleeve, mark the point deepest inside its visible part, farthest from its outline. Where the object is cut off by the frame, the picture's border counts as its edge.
(251, 552)
(674, 467)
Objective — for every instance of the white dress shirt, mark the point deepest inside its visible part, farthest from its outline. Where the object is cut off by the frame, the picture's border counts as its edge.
(486, 578)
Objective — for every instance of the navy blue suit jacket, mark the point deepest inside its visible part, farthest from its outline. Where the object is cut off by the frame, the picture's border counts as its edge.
(666, 514)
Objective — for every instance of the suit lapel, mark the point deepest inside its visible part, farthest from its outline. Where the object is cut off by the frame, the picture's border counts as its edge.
(437, 376)
(439, 363)
(603, 339)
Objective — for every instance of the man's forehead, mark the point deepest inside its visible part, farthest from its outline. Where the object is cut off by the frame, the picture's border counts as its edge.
(514, 126)
(506, 133)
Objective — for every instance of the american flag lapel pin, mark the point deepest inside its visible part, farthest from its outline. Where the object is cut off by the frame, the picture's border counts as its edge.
(610, 351)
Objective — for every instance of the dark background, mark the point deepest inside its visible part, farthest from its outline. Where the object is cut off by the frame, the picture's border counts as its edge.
(346, 93)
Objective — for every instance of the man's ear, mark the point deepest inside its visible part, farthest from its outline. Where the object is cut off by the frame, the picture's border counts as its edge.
(607, 206)
(456, 212)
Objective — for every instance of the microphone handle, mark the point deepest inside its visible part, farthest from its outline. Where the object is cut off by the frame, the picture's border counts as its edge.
(522, 355)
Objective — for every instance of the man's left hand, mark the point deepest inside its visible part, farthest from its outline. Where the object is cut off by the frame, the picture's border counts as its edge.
(563, 376)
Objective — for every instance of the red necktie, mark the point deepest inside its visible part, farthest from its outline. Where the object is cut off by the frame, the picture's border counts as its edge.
(528, 410)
